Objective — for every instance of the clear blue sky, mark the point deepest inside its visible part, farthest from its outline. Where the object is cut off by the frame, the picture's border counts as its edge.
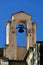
(33, 7)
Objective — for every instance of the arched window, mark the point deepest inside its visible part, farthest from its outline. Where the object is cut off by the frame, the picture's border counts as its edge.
(21, 34)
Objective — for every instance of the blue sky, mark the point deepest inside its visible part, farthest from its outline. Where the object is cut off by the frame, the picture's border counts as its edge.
(33, 7)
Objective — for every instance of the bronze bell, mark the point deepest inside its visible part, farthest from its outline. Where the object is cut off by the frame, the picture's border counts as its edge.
(21, 30)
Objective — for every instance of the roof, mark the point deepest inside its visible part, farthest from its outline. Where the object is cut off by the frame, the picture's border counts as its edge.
(21, 12)
(39, 41)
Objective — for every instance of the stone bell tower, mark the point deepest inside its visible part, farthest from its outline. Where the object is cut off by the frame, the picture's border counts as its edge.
(11, 50)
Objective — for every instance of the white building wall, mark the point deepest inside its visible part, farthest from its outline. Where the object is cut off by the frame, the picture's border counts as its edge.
(7, 33)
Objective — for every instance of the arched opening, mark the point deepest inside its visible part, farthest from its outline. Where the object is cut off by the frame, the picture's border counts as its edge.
(21, 34)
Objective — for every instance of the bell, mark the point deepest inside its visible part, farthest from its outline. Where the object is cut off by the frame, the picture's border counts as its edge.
(21, 30)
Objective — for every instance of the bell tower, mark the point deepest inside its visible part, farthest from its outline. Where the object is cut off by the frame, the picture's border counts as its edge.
(19, 31)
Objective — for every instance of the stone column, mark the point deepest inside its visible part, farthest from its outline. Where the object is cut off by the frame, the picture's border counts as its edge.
(34, 32)
(7, 32)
